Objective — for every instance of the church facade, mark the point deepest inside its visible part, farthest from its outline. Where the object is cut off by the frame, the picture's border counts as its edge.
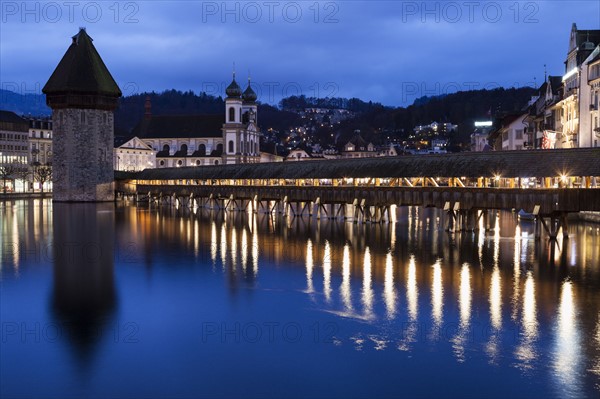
(201, 140)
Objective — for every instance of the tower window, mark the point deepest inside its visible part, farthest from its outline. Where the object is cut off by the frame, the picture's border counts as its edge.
(82, 117)
(230, 146)
(231, 114)
(202, 150)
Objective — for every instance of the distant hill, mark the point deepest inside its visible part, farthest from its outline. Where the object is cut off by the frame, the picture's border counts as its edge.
(24, 104)
(375, 121)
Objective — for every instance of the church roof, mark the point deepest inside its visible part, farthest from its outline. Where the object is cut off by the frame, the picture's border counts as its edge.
(81, 70)
(180, 126)
(249, 94)
(233, 90)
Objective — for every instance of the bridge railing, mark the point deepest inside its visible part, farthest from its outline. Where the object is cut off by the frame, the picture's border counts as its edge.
(561, 182)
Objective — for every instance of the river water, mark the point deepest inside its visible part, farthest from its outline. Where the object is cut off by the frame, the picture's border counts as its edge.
(126, 301)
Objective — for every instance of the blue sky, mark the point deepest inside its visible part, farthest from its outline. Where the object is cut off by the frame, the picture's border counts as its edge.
(386, 51)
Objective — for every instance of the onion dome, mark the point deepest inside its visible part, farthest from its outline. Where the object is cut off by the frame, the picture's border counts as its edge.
(233, 90)
(249, 94)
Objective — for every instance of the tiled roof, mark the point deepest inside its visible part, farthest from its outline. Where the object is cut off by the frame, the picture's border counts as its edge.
(180, 126)
(576, 162)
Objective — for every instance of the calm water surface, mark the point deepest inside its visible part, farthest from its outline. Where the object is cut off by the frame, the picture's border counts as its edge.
(126, 301)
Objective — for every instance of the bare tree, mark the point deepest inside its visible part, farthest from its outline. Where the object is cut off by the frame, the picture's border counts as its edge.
(42, 174)
(23, 174)
(7, 171)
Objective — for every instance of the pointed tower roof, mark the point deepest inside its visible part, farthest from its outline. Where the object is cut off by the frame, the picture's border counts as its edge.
(82, 71)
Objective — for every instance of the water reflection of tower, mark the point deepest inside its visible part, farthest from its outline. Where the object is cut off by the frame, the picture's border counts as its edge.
(83, 297)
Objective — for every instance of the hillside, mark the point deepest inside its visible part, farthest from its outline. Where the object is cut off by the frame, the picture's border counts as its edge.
(376, 122)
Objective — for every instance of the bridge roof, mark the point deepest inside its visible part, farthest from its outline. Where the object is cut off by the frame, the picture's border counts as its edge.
(536, 163)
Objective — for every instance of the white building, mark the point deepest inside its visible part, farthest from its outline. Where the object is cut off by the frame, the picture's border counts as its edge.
(14, 149)
(512, 133)
(589, 123)
(134, 156)
(196, 140)
(40, 142)
(581, 44)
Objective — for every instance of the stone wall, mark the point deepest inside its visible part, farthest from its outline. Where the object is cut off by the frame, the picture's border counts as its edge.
(82, 167)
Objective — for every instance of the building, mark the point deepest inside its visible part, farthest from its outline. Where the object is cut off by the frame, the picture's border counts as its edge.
(480, 136)
(14, 151)
(435, 128)
(134, 155)
(202, 140)
(304, 152)
(40, 141)
(581, 44)
(357, 147)
(589, 123)
(544, 118)
(83, 95)
(182, 140)
(510, 135)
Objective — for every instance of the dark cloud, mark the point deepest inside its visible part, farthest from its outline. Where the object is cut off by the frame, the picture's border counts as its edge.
(385, 51)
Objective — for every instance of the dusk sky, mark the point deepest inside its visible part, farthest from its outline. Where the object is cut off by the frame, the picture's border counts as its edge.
(384, 51)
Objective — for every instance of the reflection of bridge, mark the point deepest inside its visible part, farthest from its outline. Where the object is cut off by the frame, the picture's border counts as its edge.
(550, 184)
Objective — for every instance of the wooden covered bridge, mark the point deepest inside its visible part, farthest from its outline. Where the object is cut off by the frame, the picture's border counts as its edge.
(547, 183)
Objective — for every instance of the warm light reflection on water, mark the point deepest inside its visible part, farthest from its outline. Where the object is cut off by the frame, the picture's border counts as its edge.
(526, 352)
(309, 267)
(389, 290)
(406, 296)
(245, 250)
(367, 290)
(327, 271)
(464, 302)
(437, 295)
(345, 289)
(567, 353)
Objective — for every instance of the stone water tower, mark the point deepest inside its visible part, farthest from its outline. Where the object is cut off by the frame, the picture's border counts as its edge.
(83, 95)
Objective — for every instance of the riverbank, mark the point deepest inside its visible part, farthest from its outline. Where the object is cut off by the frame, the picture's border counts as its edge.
(17, 196)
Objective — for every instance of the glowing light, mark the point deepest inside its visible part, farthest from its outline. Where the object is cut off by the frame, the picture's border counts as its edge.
(345, 290)
(483, 123)
(437, 294)
(367, 292)
(569, 74)
(327, 272)
(213, 243)
(244, 250)
(567, 358)
(412, 291)
(526, 352)
(254, 248)
(233, 248)
(563, 178)
(309, 266)
(465, 295)
(223, 246)
(497, 177)
(496, 299)
(464, 303)
(389, 289)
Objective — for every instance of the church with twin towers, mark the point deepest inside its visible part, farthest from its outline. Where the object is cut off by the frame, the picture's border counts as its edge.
(83, 96)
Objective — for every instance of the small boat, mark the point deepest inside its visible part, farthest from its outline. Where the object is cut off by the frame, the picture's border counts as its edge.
(526, 216)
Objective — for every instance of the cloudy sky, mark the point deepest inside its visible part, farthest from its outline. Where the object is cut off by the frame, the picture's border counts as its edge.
(386, 51)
